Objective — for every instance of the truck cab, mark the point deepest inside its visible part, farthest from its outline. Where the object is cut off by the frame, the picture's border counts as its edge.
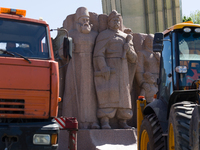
(29, 83)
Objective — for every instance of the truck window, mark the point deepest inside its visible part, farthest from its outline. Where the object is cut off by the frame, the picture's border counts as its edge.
(27, 39)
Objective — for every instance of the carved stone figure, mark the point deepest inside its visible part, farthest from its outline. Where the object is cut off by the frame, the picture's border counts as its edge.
(57, 45)
(148, 69)
(112, 52)
(152, 86)
(79, 95)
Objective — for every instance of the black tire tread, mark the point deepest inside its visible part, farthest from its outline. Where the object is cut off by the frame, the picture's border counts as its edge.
(157, 141)
(180, 116)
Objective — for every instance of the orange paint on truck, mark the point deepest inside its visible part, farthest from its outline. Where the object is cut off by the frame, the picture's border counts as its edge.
(29, 83)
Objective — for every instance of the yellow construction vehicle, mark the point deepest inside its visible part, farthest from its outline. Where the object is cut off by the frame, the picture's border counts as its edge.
(172, 120)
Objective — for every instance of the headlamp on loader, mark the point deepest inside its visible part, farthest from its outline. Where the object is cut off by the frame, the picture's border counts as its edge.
(197, 30)
(187, 30)
(181, 69)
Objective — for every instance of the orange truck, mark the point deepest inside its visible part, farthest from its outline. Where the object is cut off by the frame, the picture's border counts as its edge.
(29, 83)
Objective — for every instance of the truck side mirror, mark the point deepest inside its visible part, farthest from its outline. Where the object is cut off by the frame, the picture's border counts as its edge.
(67, 47)
(158, 42)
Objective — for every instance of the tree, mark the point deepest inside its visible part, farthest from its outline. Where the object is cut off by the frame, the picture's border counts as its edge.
(186, 19)
(195, 16)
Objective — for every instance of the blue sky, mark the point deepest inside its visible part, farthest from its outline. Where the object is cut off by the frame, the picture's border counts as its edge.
(189, 6)
(52, 11)
(55, 11)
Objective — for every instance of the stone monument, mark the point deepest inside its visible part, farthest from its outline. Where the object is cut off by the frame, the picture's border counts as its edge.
(113, 50)
(62, 62)
(100, 87)
(79, 95)
(147, 70)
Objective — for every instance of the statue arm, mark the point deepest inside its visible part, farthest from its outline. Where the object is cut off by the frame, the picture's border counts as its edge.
(100, 65)
(140, 69)
(131, 55)
(100, 62)
(99, 51)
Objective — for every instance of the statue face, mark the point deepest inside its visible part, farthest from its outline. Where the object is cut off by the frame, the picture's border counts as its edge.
(84, 20)
(83, 25)
(114, 23)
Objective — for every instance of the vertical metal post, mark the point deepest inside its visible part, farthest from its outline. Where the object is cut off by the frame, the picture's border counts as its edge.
(73, 140)
(71, 125)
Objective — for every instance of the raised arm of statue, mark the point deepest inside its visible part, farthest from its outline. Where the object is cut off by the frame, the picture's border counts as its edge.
(101, 67)
(129, 50)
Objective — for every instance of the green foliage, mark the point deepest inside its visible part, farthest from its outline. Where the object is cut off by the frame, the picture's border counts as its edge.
(186, 19)
(195, 16)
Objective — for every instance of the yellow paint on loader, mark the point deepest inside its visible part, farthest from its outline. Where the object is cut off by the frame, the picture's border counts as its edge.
(141, 104)
(171, 138)
(144, 140)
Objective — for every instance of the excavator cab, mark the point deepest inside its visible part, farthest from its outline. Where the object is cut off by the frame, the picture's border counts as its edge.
(166, 121)
(180, 61)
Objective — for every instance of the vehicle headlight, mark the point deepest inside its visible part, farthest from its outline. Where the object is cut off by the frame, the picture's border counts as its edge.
(186, 30)
(197, 30)
(181, 69)
(41, 139)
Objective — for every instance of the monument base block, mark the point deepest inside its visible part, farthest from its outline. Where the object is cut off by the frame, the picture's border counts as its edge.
(102, 139)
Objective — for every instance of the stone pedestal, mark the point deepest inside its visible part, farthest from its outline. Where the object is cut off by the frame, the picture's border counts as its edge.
(115, 139)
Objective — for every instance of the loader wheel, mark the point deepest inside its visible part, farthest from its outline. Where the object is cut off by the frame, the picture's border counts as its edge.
(179, 124)
(151, 134)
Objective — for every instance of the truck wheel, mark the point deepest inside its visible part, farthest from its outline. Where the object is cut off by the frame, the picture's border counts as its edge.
(151, 134)
(179, 124)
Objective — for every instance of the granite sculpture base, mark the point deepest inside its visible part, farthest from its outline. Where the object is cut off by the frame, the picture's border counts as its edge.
(102, 139)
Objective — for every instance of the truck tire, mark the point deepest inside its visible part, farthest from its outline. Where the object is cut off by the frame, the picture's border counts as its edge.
(179, 125)
(151, 134)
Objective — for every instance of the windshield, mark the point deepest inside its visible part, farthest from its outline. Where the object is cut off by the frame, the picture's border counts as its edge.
(189, 54)
(26, 39)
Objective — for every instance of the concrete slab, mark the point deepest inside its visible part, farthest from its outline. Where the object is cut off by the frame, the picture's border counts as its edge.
(110, 139)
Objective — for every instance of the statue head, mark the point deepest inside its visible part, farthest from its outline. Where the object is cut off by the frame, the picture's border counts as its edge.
(82, 19)
(114, 20)
(148, 42)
